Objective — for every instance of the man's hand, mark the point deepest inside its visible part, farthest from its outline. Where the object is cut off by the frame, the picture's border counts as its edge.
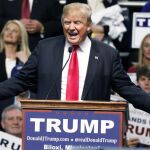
(132, 142)
(32, 26)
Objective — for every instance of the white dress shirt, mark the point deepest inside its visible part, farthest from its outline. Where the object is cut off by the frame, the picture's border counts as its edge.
(31, 4)
(83, 53)
(9, 65)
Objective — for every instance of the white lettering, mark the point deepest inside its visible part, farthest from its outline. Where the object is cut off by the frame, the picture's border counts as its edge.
(106, 124)
(74, 126)
(37, 122)
(53, 124)
(148, 23)
(141, 21)
(86, 127)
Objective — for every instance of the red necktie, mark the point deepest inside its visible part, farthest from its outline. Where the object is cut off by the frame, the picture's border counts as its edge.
(72, 89)
(25, 12)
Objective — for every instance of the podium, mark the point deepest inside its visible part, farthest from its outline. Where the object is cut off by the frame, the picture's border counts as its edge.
(54, 124)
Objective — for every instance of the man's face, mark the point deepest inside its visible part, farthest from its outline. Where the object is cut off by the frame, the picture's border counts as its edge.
(144, 83)
(75, 27)
(12, 123)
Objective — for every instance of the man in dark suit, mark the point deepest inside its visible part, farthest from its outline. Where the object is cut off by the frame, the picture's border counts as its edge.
(44, 18)
(100, 68)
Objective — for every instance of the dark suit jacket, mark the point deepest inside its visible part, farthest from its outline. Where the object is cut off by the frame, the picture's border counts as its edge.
(105, 72)
(48, 12)
(3, 77)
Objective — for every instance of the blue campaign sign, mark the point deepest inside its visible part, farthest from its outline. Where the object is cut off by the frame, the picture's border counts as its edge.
(64, 129)
(140, 28)
(143, 22)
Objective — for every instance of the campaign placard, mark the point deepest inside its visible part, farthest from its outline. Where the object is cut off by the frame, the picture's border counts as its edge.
(139, 125)
(140, 28)
(65, 129)
(9, 142)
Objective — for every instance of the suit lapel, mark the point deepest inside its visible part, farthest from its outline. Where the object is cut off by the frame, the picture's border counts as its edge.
(35, 6)
(3, 75)
(60, 54)
(92, 67)
(94, 61)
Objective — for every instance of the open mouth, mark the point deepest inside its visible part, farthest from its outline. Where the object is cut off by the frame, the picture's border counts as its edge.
(73, 34)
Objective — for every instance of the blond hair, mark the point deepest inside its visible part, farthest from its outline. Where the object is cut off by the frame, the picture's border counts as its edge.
(84, 10)
(23, 45)
(140, 56)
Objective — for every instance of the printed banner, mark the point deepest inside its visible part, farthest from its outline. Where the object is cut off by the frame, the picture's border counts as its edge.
(139, 125)
(65, 129)
(140, 28)
(9, 142)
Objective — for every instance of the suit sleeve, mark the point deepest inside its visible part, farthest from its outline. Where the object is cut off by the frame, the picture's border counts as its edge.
(23, 81)
(122, 84)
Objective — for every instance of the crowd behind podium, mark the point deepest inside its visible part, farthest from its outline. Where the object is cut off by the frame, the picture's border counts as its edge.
(46, 19)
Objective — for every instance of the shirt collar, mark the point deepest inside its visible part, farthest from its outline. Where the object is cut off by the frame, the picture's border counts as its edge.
(83, 45)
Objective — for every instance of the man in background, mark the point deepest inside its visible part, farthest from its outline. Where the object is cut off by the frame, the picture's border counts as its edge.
(41, 20)
(143, 78)
(11, 120)
(143, 81)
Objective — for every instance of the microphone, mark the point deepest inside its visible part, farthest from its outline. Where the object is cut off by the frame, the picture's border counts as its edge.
(70, 49)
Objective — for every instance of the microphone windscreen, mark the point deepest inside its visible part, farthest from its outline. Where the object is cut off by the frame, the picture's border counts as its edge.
(70, 49)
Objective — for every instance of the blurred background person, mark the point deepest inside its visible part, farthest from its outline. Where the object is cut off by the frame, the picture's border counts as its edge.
(40, 17)
(99, 32)
(143, 81)
(144, 55)
(11, 120)
(14, 52)
(143, 78)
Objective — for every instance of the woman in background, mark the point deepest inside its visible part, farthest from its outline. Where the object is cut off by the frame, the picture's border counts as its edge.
(144, 55)
(14, 52)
